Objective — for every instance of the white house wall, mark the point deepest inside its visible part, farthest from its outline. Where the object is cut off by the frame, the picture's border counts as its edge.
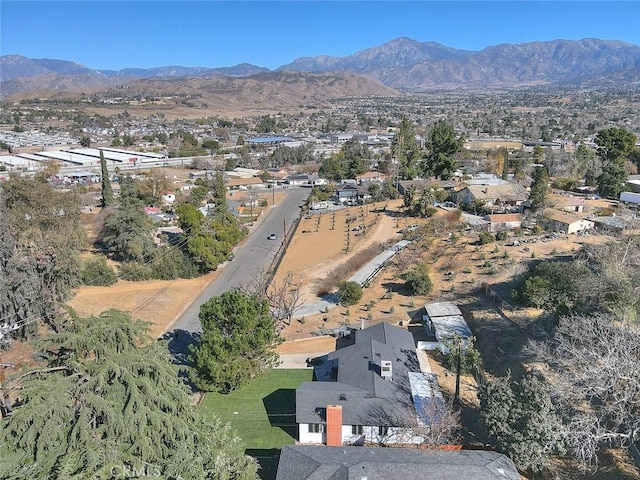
(370, 435)
(305, 436)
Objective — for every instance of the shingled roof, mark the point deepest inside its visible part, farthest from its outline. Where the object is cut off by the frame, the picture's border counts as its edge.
(307, 462)
(356, 383)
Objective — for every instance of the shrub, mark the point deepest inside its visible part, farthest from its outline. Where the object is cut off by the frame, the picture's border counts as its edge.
(135, 272)
(430, 211)
(349, 293)
(96, 272)
(503, 235)
(486, 237)
(170, 263)
(418, 280)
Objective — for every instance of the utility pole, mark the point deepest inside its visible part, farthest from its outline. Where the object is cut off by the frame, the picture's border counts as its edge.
(284, 236)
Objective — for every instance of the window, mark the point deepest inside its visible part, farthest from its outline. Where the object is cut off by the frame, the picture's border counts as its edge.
(316, 428)
(382, 431)
(356, 429)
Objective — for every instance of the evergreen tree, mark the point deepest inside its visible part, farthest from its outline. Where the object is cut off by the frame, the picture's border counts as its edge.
(127, 232)
(505, 166)
(539, 189)
(107, 408)
(237, 342)
(107, 191)
(332, 168)
(522, 421)
(354, 155)
(40, 238)
(349, 293)
(418, 280)
(443, 145)
(615, 145)
(406, 150)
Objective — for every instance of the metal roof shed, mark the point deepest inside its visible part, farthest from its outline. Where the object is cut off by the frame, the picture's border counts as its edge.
(441, 309)
(450, 326)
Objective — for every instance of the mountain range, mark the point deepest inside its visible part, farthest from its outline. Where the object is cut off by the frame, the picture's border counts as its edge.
(403, 64)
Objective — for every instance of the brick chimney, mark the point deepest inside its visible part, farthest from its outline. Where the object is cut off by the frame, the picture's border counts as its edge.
(334, 425)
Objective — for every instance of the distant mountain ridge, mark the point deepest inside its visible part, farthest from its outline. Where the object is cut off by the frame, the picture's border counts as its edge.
(403, 64)
(413, 66)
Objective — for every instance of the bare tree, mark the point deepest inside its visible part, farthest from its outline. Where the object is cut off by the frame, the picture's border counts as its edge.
(594, 376)
(258, 285)
(439, 424)
(285, 298)
(443, 426)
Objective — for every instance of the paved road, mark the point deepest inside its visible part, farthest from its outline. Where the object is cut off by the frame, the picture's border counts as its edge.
(255, 254)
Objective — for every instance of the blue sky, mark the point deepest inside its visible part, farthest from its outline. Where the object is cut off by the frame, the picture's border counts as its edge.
(120, 34)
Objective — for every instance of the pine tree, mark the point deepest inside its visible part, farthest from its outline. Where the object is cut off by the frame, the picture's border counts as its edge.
(443, 145)
(237, 342)
(539, 189)
(406, 150)
(522, 421)
(105, 406)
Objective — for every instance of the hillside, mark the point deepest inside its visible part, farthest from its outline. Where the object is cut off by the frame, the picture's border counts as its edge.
(403, 64)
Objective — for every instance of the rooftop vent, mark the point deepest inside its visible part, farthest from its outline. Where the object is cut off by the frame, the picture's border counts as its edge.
(386, 369)
(343, 396)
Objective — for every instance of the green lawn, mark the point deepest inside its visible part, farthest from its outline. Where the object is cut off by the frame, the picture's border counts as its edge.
(263, 413)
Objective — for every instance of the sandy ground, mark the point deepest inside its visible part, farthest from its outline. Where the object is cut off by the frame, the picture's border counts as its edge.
(324, 241)
(159, 302)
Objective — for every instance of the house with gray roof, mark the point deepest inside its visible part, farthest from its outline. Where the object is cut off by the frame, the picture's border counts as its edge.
(372, 391)
(305, 462)
(500, 196)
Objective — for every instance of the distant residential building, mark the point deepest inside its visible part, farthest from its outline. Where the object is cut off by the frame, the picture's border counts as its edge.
(370, 177)
(613, 224)
(297, 179)
(503, 221)
(501, 196)
(352, 193)
(244, 183)
(565, 222)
